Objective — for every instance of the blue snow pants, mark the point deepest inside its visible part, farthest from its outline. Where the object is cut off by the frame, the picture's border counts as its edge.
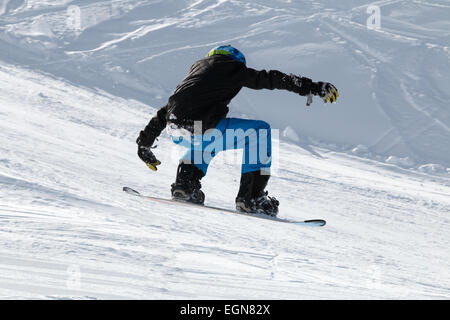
(253, 136)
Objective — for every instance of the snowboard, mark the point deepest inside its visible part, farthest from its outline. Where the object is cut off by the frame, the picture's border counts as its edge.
(309, 223)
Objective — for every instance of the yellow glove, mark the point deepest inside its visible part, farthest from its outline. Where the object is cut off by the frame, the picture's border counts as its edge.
(327, 92)
(146, 155)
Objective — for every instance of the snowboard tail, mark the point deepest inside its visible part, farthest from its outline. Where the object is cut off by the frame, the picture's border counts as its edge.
(311, 223)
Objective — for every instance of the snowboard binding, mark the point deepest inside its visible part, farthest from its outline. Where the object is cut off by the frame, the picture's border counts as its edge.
(187, 185)
(252, 198)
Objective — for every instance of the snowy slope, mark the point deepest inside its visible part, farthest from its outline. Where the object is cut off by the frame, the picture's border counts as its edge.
(68, 231)
(393, 81)
(375, 166)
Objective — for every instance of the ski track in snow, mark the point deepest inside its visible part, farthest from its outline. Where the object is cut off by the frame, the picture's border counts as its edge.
(72, 103)
(387, 232)
(141, 49)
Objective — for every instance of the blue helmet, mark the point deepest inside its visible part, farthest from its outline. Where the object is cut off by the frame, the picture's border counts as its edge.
(228, 51)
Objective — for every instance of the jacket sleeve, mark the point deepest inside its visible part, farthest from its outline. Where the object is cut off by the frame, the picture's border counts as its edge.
(153, 129)
(275, 79)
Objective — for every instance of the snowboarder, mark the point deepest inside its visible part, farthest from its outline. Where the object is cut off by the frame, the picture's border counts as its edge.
(203, 98)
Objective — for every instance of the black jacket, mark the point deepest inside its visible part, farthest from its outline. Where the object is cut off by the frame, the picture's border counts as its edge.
(208, 88)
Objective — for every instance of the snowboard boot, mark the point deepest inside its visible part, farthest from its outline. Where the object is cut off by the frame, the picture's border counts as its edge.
(252, 198)
(187, 185)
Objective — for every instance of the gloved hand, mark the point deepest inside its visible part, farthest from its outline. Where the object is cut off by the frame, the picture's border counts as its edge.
(326, 91)
(146, 155)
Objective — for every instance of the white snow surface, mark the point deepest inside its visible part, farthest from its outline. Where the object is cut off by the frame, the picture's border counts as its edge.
(76, 90)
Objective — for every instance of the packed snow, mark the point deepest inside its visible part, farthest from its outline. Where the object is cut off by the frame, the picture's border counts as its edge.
(80, 79)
